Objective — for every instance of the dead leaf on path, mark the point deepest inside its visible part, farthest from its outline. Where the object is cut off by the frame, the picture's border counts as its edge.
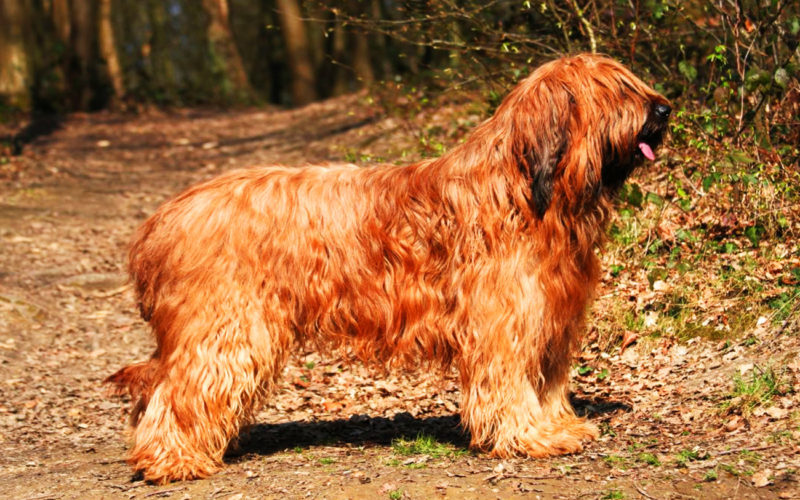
(788, 280)
(333, 406)
(761, 478)
(776, 413)
(387, 487)
(627, 339)
(734, 424)
(630, 358)
(660, 286)
(695, 414)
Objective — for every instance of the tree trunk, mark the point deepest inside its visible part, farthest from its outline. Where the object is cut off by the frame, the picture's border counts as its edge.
(341, 75)
(61, 20)
(82, 38)
(300, 63)
(359, 44)
(14, 64)
(160, 73)
(362, 66)
(223, 47)
(108, 50)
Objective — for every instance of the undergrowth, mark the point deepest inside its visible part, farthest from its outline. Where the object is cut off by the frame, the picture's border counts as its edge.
(425, 445)
(759, 389)
(703, 244)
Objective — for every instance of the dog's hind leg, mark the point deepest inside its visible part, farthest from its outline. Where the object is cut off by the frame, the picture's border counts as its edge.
(212, 372)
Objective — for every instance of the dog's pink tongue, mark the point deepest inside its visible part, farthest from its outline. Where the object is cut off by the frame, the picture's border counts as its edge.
(647, 151)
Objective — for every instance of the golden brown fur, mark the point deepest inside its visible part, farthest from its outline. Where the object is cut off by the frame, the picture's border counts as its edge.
(483, 258)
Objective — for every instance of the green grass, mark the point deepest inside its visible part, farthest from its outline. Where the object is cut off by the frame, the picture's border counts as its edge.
(648, 458)
(425, 445)
(686, 456)
(784, 304)
(327, 461)
(750, 457)
(757, 389)
(396, 494)
(732, 470)
(781, 437)
(617, 461)
(613, 495)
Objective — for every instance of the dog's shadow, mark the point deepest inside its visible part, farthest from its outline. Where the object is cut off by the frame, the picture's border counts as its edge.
(362, 430)
(358, 430)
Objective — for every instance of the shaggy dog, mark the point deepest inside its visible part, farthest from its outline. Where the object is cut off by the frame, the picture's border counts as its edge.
(483, 259)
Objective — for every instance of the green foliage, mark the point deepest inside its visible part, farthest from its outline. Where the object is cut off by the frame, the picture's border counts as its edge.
(648, 458)
(686, 456)
(785, 303)
(425, 445)
(616, 461)
(613, 494)
(758, 389)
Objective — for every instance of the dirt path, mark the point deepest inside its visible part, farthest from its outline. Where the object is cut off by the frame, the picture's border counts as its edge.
(68, 207)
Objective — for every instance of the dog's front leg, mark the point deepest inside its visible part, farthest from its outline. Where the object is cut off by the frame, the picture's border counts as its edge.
(514, 373)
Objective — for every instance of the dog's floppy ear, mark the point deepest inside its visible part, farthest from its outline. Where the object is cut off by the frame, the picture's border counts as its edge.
(540, 166)
(540, 138)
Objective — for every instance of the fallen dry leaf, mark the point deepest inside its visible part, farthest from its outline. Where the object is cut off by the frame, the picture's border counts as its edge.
(734, 424)
(761, 478)
(627, 339)
(387, 487)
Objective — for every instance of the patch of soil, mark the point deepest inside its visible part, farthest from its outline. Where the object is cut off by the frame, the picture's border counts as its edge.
(68, 207)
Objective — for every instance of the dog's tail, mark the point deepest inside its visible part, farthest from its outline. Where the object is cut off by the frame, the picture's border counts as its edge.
(133, 379)
(136, 380)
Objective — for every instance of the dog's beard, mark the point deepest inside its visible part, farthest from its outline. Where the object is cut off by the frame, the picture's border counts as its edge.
(619, 165)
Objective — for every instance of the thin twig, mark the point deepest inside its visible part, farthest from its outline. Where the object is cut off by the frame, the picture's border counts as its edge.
(163, 492)
(757, 448)
(643, 492)
(586, 24)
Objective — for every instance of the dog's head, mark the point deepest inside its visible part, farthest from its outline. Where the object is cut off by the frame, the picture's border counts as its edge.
(579, 126)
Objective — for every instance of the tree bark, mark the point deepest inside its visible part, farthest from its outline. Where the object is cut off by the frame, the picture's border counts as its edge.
(341, 74)
(61, 20)
(82, 38)
(160, 73)
(299, 55)
(108, 50)
(362, 65)
(224, 47)
(359, 42)
(14, 63)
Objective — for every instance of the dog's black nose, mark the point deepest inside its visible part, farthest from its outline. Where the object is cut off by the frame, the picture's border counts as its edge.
(662, 111)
